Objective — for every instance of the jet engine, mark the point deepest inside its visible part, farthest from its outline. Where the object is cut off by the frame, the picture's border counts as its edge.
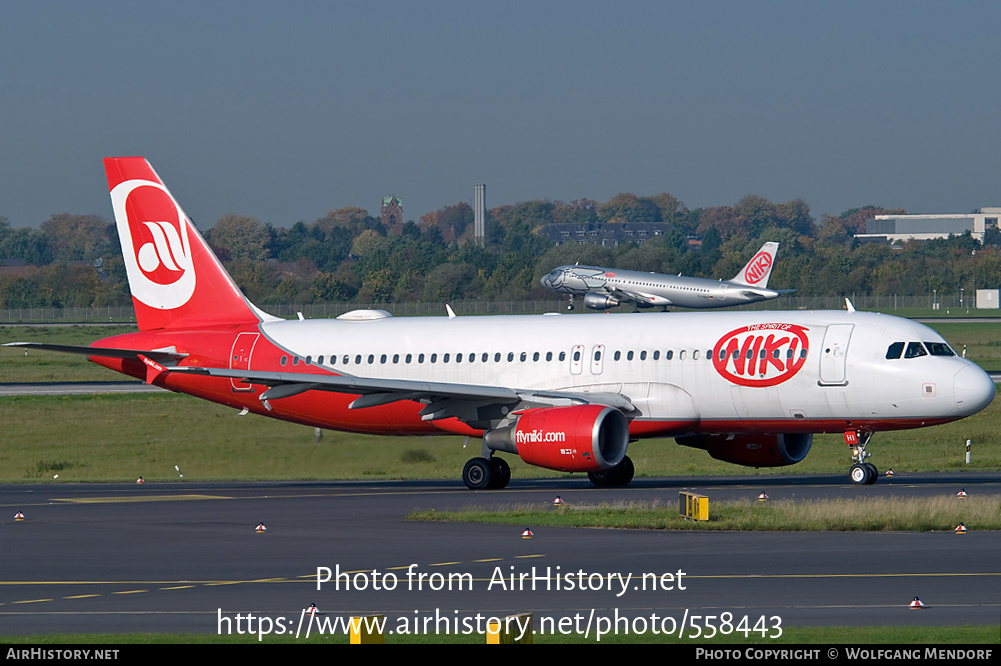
(581, 438)
(753, 450)
(597, 301)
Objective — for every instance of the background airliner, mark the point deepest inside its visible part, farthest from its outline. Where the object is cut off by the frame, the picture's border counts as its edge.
(604, 288)
(563, 392)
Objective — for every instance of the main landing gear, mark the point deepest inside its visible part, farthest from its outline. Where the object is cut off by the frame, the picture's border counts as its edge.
(494, 473)
(620, 475)
(486, 474)
(862, 473)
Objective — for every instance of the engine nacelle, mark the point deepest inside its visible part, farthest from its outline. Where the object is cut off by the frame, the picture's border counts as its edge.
(753, 450)
(597, 301)
(582, 438)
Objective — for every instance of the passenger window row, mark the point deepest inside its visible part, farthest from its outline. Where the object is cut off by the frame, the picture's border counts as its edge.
(497, 357)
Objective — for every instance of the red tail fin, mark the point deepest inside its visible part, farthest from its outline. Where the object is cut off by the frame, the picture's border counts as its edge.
(176, 280)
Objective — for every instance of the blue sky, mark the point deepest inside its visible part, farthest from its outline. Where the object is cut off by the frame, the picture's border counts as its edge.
(284, 111)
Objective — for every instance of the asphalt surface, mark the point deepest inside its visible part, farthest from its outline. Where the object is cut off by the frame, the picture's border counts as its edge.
(187, 557)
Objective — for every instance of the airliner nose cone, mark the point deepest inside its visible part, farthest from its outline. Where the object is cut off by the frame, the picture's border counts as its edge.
(974, 389)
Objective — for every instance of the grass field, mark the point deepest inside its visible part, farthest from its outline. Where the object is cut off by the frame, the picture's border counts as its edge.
(122, 437)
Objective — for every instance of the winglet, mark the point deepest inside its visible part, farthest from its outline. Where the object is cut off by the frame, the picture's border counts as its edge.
(848, 305)
(451, 313)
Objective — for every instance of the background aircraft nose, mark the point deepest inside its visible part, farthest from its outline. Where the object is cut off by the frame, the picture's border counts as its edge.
(974, 389)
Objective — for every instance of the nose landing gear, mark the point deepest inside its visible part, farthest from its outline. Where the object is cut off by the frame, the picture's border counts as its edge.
(862, 473)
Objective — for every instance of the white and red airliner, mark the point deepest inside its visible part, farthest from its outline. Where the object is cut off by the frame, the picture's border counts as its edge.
(565, 392)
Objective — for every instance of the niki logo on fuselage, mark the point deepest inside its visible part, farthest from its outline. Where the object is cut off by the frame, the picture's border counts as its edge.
(758, 267)
(159, 266)
(761, 354)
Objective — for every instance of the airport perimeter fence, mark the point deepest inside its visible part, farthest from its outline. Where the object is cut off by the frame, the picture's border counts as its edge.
(948, 305)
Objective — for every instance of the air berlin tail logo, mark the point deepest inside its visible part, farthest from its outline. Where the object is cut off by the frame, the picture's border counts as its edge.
(155, 244)
(758, 267)
(761, 354)
(165, 252)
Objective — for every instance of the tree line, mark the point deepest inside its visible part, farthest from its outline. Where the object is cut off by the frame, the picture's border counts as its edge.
(349, 256)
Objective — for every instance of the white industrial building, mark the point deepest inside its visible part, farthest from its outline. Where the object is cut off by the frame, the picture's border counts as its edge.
(892, 228)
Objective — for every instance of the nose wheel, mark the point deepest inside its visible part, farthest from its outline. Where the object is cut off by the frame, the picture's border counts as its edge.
(862, 473)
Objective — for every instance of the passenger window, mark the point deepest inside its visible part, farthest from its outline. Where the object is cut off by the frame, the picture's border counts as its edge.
(895, 350)
(915, 349)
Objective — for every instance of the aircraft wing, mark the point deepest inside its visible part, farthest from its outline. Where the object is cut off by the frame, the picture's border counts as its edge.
(470, 403)
(636, 296)
(160, 355)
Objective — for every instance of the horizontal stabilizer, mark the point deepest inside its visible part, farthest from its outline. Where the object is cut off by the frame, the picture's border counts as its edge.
(160, 356)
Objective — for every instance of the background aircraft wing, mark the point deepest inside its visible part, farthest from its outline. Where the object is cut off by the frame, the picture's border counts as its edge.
(625, 295)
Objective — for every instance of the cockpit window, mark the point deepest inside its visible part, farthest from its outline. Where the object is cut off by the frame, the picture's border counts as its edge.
(939, 349)
(915, 349)
(895, 350)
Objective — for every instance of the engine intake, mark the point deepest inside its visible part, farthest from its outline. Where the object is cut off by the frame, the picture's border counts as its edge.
(599, 301)
(582, 438)
(753, 450)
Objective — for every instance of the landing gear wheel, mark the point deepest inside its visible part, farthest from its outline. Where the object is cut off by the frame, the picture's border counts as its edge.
(620, 475)
(501, 475)
(478, 473)
(860, 474)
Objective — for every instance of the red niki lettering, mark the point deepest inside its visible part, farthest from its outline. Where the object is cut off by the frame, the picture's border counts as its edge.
(758, 268)
(761, 354)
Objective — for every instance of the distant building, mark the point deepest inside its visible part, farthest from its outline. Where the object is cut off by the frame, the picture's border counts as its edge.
(392, 212)
(606, 235)
(892, 228)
